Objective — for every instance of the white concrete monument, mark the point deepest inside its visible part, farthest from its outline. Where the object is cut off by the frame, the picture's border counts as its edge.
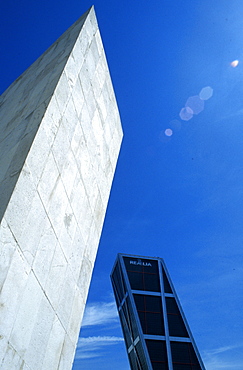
(60, 135)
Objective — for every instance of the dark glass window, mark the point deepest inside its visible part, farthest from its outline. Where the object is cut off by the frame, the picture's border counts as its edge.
(167, 287)
(126, 326)
(175, 322)
(129, 322)
(142, 274)
(142, 362)
(184, 356)
(136, 280)
(157, 353)
(151, 282)
(118, 283)
(134, 326)
(133, 360)
(150, 314)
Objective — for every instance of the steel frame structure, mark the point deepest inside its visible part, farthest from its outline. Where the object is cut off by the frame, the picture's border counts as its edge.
(156, 332)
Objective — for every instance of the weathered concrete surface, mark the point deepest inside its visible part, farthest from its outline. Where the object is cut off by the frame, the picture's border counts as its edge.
(60, 135)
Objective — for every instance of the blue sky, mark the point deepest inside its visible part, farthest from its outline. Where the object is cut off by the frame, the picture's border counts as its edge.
(176, 194)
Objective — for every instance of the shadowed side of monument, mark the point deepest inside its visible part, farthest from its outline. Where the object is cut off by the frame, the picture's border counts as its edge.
(23, 105)
(60, 139)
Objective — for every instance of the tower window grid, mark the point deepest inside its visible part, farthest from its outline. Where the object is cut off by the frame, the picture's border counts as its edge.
(156, 333)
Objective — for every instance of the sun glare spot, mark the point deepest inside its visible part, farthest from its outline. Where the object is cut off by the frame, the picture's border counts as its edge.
(168, 132)
(234, 63)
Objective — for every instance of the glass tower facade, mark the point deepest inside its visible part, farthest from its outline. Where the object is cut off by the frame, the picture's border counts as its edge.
(155, 330)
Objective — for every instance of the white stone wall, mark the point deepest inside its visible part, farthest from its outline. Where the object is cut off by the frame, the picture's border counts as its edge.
(60, 138)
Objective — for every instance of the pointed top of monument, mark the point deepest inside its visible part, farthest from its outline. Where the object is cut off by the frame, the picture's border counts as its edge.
(62, 47)
(26, 101)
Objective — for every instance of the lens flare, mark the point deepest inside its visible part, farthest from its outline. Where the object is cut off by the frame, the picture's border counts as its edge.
(206, 93)
(186, 113)
(195, 104)
(175, 125)
(168, 132)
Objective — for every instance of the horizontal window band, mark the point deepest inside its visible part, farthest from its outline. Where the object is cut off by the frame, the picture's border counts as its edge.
(146, 292)
(171, 339)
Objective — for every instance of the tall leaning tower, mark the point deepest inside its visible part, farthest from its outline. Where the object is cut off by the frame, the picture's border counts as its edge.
(60, 135)
(156, 333)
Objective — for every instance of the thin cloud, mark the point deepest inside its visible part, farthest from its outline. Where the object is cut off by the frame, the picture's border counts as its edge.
(214, 358)
(103, 340)
(92, 347)
(218, 364)
(100, 313)
(223, 349)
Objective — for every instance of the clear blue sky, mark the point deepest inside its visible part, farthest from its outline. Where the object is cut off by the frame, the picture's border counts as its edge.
(179, 197)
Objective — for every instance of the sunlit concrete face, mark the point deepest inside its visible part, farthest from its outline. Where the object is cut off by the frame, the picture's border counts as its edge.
(60, 136)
